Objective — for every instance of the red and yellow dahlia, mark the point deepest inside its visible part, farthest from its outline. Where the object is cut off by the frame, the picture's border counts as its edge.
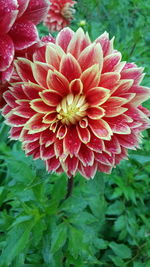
(60, 14)
(78, 106)
(17, 28)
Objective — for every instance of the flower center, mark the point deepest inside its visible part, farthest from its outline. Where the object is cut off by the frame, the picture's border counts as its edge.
(67, 11)
(71, 109)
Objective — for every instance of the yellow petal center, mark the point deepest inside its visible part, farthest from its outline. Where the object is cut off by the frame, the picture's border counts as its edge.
(71, 109)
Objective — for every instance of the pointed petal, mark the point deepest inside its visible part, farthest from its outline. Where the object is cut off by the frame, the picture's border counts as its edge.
(106, 44)
(104, 168)
(119, 125)
(97, 96)
(31, 90)
(53, 55)
(36, 11)
(96, 144)
(64, 37)
(62, 131)
(70, 68)
(76, 87)
(71, 142)
(95, 113)
(91, 55)
(47, 138)
(71, 165)
(40, 71)
(78, 43)
(6, 52)
(88, 171)
(51, 98)
(113, 145)
(24, 69)
(100, 129)
(133, 73)
(15, 120)
(123, 87)
(84, 134)
(50, 117)
(111, 61)
(113, 106)
(47, 152)
(15, 133)
(109, 80)
(24, 34)
(52, 164)
(86, 156)
(39, 106)
(90, 77)
(58, 82)
(104, 158)
(35, 124)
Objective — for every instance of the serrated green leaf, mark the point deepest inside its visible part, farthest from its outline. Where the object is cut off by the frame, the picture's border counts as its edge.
(120, 250)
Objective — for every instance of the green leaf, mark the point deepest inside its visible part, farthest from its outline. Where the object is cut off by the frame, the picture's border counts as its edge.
(17, 240)
(120, 250)
(75, 241)
(59, 237)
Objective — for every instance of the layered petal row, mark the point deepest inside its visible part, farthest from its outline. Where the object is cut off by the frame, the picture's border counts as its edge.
(76, 105)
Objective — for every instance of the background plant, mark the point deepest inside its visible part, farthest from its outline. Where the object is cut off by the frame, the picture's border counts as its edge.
(106, 220)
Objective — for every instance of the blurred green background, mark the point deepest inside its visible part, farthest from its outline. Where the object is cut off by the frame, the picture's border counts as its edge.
(106, 221)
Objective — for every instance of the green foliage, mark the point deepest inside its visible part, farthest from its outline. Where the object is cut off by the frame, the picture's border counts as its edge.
(106, 221)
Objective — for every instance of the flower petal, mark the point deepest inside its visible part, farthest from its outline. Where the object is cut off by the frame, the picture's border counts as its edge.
(47, 152)
(109, 80)
(91, 55)
(40, 71)
(90, 77)
(39, 106)
(36, 11)
(71, 142)
(86, 155)
(78, 42)
(100, 129)
(95, 113)
(52, 164)
(6, 52)
(50, 97)
(84, 134)
(24, 34)
(58, 82)
(88, 171)
(53, 55)
(64, 37)
(113, 106)
(96, 144)
(24, 69)
(97, 96)
(106, 44)
(70, 68)
(35, 124)
(134, 74)
(111, 61)
(76, 87)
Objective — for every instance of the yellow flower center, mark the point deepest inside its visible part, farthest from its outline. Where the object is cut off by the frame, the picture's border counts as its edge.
(67, 11)
(71, 109)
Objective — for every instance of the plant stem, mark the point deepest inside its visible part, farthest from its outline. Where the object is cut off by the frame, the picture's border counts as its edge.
(69, 187)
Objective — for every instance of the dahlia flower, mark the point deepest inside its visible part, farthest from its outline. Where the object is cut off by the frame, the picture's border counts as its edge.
(78, 106)
(17, 28)
(59, 15)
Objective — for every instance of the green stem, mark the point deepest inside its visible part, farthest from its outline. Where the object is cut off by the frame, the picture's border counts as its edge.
(69, 187)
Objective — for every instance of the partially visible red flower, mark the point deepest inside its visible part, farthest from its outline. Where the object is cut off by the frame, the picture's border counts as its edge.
(60, 14)
(17, 27)
(78, 106)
